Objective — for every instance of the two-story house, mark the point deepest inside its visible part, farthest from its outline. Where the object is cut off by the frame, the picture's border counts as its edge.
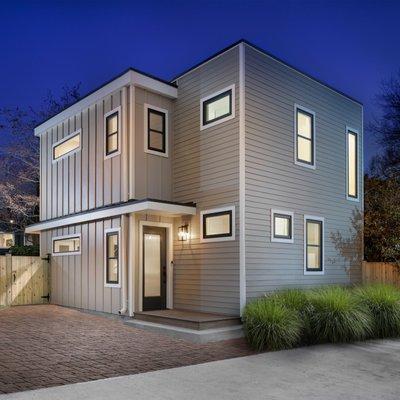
(201, 193)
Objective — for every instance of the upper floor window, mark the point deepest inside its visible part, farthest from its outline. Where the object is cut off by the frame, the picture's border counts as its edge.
(112, 257)
(304, 137)
(67, 146)
(217, 108)
(156, 130)
(112, 132)
(352, 164)
(217, 224)
(281, 226)
(313, 245)
(67, 245)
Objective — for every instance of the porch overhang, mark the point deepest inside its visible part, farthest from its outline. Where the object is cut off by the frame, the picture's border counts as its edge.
(155, 207)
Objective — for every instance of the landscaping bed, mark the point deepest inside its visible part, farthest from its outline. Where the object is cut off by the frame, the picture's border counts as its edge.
(332, 314)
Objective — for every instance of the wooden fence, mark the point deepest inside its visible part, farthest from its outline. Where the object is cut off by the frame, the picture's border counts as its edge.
(23, 280)
(373, 272)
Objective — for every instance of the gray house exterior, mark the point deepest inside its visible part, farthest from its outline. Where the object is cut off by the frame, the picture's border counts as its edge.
(201, 193)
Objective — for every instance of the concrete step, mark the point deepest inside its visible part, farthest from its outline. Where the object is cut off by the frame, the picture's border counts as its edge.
(188, 319)
(191, 335)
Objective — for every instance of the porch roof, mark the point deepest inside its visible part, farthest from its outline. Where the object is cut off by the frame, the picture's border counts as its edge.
(157, 207)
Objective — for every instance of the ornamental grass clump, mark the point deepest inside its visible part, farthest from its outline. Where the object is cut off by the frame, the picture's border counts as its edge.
(269, 325)
(297, 300)
(336, 315)
(383, 302)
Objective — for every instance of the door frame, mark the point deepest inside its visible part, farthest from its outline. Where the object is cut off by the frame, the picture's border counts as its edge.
(169, 256)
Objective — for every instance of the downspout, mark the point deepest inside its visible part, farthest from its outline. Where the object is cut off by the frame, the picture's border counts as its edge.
(125, 196)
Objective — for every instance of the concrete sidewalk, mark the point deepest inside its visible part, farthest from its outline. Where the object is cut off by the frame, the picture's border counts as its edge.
(359, 371)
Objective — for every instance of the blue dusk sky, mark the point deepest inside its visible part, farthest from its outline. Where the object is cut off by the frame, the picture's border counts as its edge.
(45, 45)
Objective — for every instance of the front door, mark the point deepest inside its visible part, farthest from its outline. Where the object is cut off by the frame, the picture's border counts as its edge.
(154, 268)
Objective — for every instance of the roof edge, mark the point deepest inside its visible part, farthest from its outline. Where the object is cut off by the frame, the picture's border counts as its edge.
(266, 53)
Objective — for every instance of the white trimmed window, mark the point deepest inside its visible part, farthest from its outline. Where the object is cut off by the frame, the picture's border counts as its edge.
(67, 146)
(155, 130)
(66, 245)
(282, 226)
(217, 224)
(6, 240)
(112, 133)
(304, 136)
(313, 245)
(217, 108)
(352, 179)
(112, 257)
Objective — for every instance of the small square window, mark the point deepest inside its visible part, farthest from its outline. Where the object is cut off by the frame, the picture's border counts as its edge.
(217, 224)
(281, 226)
(217, 108)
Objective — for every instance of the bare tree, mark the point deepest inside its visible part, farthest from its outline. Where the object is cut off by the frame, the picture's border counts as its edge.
(19, 159)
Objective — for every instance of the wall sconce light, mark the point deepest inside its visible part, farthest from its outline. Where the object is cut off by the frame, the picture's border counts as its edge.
(183, 233)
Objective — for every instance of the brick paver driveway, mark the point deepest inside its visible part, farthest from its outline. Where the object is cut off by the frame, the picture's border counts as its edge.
(42, 346)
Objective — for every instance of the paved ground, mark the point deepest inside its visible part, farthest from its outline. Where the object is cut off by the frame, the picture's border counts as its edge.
(43, 346)
(368, 371)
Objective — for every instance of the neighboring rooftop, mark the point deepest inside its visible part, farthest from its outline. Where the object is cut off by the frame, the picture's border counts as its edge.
(163, 85)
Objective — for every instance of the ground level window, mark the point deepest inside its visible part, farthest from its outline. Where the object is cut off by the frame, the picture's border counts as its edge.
(217, 224)
(281, 226)
(112, 259)
(66, 245)
(314, 240)
(6, 240)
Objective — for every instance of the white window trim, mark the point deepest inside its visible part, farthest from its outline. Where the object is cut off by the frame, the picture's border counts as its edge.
(72, 253)
(220, 121)
(106, 231)
(352, 130)
(217, 239)
(315, 218)
(64, 139)
(286, 213)
(8, 233)
(146, 124)
(117, 153)
(307, 110)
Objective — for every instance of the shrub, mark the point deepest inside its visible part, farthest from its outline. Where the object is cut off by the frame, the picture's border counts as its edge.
(297, 300)
(336, 315)
(269, 325)
(383, 302)
(25, 250)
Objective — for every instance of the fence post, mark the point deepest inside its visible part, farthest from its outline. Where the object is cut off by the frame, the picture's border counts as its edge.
(9, 279)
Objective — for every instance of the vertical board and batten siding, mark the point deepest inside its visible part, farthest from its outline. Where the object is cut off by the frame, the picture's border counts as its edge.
(84, 180)
(78, 280)
(273, 181)
(152, 172)
(206, 171)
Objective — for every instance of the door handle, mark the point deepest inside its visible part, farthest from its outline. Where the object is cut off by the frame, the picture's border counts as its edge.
(14, 277)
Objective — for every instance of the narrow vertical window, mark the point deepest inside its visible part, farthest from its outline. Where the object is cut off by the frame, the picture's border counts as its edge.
(313, 244)
(111, 137)
(156, 130)
(305, 137)
(352, 164)
(112, 259)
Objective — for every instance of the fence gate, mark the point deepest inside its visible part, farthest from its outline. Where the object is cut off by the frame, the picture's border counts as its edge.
(23, 280)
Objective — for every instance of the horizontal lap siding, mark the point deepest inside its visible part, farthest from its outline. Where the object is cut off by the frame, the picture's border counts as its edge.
(206, 171)
(274, 181)
(83, 180)
(78, 280)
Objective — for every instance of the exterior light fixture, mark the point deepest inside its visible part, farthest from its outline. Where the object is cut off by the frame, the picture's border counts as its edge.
(183, 233)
